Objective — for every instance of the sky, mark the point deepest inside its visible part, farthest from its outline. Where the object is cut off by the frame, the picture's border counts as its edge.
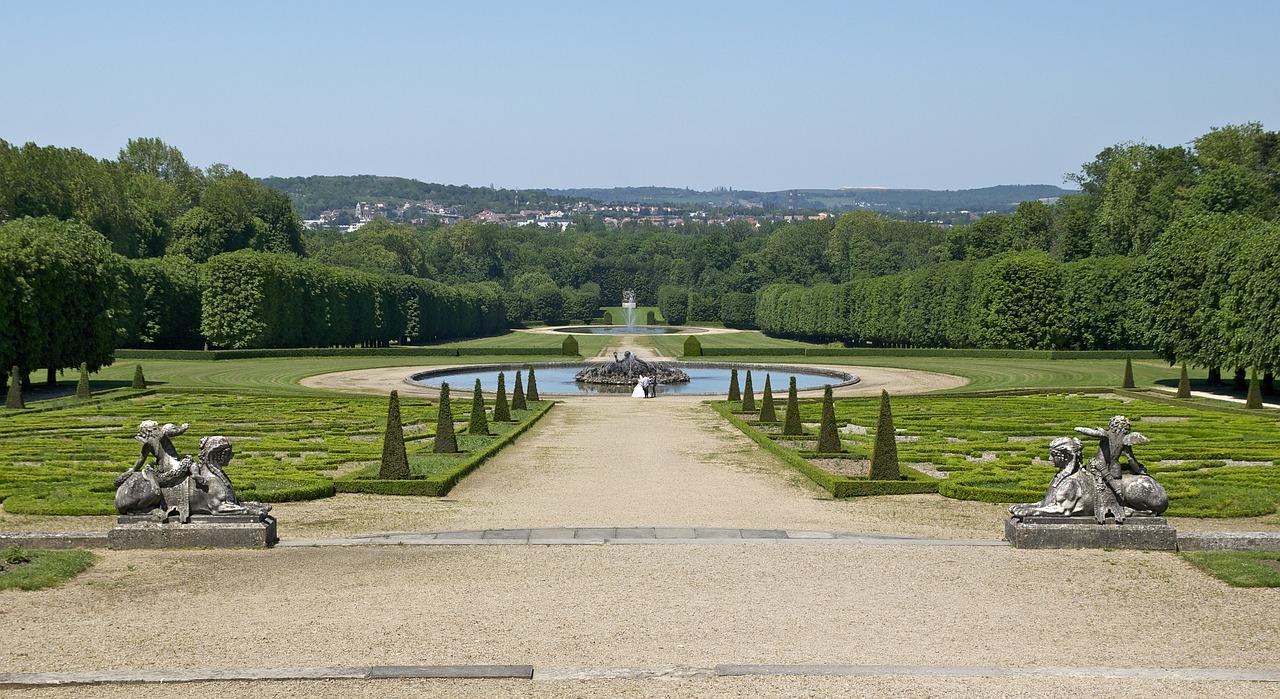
(697, 93)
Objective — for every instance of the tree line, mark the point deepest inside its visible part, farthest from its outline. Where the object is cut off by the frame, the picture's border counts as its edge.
(68, 299)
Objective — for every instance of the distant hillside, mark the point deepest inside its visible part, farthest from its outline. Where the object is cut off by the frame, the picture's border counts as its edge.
(317, 193)
(998, 198)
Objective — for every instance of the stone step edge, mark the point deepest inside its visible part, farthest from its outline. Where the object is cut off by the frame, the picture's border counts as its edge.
(15, 680)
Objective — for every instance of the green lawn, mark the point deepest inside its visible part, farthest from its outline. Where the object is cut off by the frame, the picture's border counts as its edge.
(991, 374)
(287, 447)
(26, 569)
(996, 448)
(588, 346)
(1239, 568)
(673, 345)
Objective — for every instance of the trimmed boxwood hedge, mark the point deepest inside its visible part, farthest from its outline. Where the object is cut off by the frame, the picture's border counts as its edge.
(838, 486)
(216, 355)
(440, 484)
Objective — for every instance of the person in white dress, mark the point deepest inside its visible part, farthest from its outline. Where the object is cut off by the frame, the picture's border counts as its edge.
(640, 390)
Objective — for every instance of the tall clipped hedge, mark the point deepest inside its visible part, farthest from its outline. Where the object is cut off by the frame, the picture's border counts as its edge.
(160, 305)
(59, 289)
(253, 299)
(1011, 301)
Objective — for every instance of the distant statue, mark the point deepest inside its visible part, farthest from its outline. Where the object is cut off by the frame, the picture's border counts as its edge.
(1099, 487)
(174, 488)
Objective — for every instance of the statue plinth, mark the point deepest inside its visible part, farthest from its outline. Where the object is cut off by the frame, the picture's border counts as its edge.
(202, 531)
(1141, 532)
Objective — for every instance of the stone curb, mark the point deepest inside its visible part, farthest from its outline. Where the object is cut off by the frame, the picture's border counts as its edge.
(700, 536)
(13, 680)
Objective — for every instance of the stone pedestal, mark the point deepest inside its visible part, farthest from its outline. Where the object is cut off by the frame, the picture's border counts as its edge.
(203, 531)
(1057, 532)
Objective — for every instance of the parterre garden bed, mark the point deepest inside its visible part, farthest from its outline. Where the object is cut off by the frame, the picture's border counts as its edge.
(1214, 463)
(287, 447)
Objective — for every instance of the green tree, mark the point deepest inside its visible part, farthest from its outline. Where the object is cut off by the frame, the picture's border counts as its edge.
(884, 456)
(1184, 383)
(395, 460)
(139, 381)
(748, 395)
(82, 386)
(479, 420)
(14, 397)
(1128, 374)
(531, 391)
(517, 396)
(1254, 399)
(501, 409)
(734, 393)
(767, 413)
(446, 441)
(791, 424)
(828, 437)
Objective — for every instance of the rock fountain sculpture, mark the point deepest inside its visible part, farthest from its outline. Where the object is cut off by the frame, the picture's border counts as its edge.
(625, 370)
(1094, 503)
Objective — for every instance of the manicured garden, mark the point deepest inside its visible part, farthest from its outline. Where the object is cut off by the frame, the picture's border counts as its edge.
(287, 446)
(1214, 462)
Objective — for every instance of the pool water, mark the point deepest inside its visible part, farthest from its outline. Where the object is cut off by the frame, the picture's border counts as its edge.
(560, 380)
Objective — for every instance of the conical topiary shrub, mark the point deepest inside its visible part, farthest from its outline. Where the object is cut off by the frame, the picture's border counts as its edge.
(791, 424)
(569, 347)
(606, 318)
(517, 396)
(1254, 401)
(82, 386)
(1128, 373)
(446, 442)
(1184, 383)
(692, 347)
(766, 402)
(531, 392)
(14, 398)
(479, 421)
(650, 318)
(734, 394)
(828, 438)
(139, 381)
(884, 458)
(748, 395)
(395, 461)
(501, 409)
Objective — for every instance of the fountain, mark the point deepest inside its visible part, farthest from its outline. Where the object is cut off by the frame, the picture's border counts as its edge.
(629, 308)
(625, 370)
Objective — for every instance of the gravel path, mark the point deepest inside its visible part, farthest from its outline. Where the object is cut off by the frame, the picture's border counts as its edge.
(641, 606)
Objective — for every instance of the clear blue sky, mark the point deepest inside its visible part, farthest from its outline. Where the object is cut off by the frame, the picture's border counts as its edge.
(752, 95)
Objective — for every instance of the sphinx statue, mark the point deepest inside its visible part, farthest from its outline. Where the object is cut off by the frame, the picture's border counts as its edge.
(1099, 487)
(173, 488)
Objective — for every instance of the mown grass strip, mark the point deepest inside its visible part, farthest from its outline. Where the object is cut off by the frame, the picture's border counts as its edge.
(1239, 568)
(32, 569)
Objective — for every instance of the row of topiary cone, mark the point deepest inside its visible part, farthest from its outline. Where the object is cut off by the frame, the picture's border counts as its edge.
(13, 399)
(395, 458)
(1253, 400)
(884, 456)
